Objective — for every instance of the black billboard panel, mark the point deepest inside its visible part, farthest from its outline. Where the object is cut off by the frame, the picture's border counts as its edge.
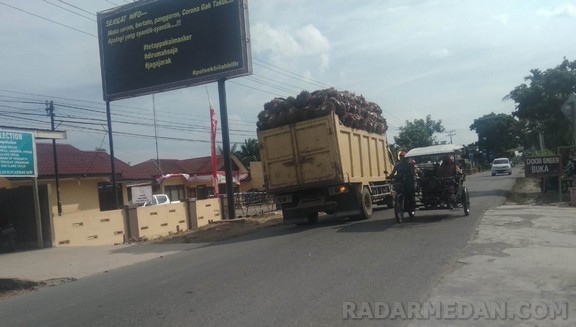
(157, 45)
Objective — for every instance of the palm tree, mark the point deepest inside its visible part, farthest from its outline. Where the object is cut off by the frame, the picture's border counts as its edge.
(233, 149)
(249, 151)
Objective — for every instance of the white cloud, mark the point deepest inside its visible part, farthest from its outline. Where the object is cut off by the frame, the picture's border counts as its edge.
(440, 53)
(501, 18)
(285, 42)
(560, 11)
(398, 9)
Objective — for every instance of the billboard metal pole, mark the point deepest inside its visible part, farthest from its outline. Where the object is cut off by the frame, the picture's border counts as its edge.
(112, 166)
(226, 148)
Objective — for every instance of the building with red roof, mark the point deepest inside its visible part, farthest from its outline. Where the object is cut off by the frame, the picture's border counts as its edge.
(83, 209)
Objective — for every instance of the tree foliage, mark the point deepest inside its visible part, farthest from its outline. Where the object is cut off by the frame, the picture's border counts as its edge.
(497, 133)
(419, 133)
(249, 151)
(538, 103)
(233, 149)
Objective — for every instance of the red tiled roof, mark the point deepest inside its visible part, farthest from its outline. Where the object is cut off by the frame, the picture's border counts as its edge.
(74, 162)
(200, 165)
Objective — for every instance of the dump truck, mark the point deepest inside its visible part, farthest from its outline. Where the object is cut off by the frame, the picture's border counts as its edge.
(321, 165)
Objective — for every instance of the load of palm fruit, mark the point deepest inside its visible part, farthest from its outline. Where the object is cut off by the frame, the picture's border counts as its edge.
(354, 111)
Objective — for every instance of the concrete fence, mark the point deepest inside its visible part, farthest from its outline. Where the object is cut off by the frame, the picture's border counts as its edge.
(89, 227)
(96, 227)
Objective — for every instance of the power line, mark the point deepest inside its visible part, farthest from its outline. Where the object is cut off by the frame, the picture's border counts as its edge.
(48, 19)
(75, 13)
(251, 87)
(76, 7)
(289, 73)
(168, 124)
(69, 120)
(259, 81)
(112, 2)
(450, 133)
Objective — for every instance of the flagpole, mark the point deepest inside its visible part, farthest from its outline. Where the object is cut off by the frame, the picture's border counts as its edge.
(213, 130)
(213, 159)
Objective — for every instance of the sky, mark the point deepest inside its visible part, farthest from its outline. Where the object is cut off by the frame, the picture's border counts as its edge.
(452, 59)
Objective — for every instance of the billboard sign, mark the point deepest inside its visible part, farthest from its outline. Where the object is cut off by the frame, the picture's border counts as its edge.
(157, 45)
(17, 154)
(542, 166)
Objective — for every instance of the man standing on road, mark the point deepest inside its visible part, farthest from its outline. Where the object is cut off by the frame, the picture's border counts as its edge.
(404, 173)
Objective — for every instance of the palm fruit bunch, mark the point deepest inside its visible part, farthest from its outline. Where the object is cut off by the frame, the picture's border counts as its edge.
(352, 110)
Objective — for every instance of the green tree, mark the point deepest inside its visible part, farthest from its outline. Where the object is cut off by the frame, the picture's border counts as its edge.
(249, 151)
(538, 103)
(419, 133)
(497, 133)
(233, 149)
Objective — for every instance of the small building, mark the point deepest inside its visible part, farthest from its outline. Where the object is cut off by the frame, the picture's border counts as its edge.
(82, 205)
(83, 209)
(191, 178)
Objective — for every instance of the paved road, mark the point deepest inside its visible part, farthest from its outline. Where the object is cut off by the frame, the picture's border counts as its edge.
(280, 276)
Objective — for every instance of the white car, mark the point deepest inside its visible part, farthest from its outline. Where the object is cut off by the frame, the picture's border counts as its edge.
(501, 166)
(158, 199)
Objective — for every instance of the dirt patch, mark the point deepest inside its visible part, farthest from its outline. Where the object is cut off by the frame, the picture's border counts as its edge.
(526, 191)
(223, 230)
(12, 286)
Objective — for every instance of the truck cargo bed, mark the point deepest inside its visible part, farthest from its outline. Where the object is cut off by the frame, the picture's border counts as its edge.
(321, 152)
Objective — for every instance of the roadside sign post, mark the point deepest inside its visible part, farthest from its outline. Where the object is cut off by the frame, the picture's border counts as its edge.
(544, 166)
(18, 159)
(155, 46)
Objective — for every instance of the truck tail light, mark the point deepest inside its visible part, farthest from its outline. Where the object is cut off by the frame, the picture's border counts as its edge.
(338, 190)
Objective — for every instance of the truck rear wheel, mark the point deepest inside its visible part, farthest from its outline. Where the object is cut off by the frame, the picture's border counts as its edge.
(366, 205)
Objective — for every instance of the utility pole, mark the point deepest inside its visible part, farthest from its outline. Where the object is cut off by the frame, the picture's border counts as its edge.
(50, 112)
(112, 163)
(451, 133)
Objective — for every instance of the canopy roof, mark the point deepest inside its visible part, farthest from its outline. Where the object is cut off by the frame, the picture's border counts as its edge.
(434, 150)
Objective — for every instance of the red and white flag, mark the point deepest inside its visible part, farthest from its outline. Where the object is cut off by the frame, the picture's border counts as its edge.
(213, 129)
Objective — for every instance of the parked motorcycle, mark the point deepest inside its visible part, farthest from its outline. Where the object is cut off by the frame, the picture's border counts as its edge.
(8, 238)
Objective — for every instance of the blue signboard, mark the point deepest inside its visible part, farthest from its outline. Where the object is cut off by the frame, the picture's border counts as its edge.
(17, 154)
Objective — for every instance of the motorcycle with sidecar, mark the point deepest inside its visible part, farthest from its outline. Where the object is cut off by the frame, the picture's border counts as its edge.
(434, 191)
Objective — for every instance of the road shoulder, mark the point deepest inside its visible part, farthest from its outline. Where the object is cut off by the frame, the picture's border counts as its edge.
(522, 258)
